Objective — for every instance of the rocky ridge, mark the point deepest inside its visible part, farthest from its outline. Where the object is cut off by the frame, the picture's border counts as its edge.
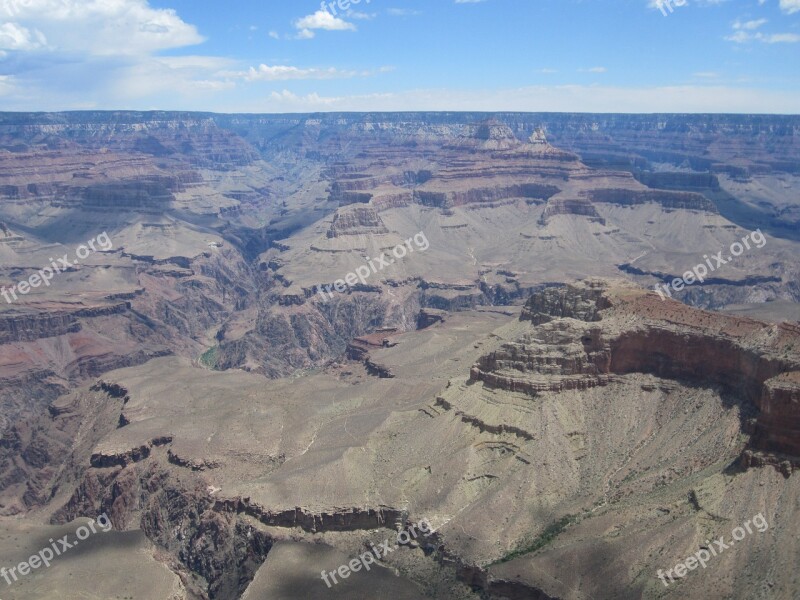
(751, 359)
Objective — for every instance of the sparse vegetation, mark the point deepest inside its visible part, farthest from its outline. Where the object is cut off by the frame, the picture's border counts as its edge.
(209, 358)
(549, 533)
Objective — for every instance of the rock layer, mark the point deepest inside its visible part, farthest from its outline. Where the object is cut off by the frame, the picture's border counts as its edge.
(636, 332)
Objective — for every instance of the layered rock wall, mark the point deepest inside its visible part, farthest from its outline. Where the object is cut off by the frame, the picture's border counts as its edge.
(361, 220)
(756, 362)
(667, 199)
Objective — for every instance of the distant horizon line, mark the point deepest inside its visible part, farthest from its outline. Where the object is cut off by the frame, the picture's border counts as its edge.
(384, 112)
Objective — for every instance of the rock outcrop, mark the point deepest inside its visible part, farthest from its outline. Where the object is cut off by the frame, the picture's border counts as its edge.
(667, 199)
(630, 331)
(361, 220)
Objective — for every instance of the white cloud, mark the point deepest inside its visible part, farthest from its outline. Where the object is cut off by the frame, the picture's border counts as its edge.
(790, 6)
(311, 101)
(282, 73)
(6, 85)
(99, 27)
(402, 12)
(741, 37)
(88, 53)
(755, 24)
(16, 37)
(742, 32)
(169, 75)
(354, 14)
(567, 98)
(265, 72)
(321, 19)
(779, 38)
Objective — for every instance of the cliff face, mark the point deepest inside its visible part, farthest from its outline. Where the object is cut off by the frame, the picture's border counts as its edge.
(145, 196)
(634, 332)
(31, 326)
(682, 200)
(532, 191)
(27, 328)
(678, 180)
(356, 221)
(583, 303)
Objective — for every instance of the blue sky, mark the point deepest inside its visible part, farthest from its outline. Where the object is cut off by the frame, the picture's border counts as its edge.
(295, 56)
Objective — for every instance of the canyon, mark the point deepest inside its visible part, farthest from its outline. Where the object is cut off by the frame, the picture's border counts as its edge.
(565, 430)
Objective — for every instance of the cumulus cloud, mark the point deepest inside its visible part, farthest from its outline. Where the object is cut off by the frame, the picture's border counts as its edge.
(98, 28)
(62, 54)
(321, 19)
